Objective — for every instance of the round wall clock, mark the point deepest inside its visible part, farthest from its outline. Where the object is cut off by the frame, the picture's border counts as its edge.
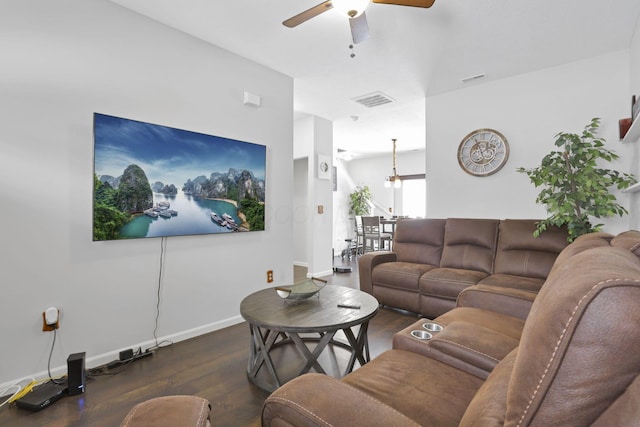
(483, 152)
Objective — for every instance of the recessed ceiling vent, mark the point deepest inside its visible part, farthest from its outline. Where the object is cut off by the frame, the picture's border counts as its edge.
(372, 100)
(344, 155)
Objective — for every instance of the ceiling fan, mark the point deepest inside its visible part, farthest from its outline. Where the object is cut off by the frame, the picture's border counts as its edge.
(354, 9)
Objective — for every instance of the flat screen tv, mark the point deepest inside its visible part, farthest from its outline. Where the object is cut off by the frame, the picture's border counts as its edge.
(157, 181)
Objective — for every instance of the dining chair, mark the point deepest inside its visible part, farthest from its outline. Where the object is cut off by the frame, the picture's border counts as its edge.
(374, 238)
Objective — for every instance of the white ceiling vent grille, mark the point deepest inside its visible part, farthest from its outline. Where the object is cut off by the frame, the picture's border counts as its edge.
(372, 100)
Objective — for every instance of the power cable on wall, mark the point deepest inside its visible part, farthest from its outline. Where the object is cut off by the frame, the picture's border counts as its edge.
(164, 343)
(53, 344)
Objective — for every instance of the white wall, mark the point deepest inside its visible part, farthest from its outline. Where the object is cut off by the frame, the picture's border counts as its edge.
(343, 227)
(635, 61)
(634, 55)
(62, 61)
(529, 110)
(301, 224)
(313, 136)
(322, 196)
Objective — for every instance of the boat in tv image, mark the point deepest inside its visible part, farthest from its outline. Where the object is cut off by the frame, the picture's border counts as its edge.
(157, 181)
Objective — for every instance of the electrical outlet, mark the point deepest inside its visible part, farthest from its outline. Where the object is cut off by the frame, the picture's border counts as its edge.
(269, 276)
(50, 319)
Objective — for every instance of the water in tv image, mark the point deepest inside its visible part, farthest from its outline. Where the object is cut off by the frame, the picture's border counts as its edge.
(158, 181)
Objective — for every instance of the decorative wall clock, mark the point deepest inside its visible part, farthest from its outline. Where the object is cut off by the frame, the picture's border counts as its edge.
(483, 152)
(324, 167)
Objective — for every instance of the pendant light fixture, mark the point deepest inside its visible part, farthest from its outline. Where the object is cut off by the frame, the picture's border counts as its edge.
(397, 183)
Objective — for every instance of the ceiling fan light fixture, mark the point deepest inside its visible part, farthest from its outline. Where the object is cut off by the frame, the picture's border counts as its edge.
(350, 8)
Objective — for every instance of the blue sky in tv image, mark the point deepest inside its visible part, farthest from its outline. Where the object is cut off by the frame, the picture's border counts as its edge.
(169, 155)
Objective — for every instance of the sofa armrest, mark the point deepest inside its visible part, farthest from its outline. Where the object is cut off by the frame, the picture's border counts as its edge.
(367, 262)
(320, 400)
(512, 302)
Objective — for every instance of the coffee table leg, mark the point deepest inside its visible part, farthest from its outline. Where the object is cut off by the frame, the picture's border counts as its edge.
(312, 358)
(358, 345)
(259, 354)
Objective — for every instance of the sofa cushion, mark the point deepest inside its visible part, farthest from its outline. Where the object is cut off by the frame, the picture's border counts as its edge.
(519, 253)
(448, 282)
(472, 345)
(508, 301)
(314, 400)
(530, 284)
(419, 240)
(506, 325)
(403, 275)
(429, 392)
(470, 244)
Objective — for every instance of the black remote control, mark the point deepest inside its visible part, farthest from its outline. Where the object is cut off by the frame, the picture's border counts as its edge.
(349, 306)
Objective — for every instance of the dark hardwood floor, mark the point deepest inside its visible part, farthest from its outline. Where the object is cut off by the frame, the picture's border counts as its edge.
(212, 366)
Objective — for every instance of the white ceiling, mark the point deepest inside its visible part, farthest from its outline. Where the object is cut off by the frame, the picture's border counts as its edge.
(412, 52)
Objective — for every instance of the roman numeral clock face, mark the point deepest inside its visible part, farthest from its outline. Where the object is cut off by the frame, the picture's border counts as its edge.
(483, 152)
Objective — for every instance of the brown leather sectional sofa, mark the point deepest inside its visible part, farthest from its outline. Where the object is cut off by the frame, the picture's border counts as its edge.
(573, 361)
(433, 260)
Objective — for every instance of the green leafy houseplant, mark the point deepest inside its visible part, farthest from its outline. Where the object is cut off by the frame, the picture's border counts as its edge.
(575, 186)
(360, 199)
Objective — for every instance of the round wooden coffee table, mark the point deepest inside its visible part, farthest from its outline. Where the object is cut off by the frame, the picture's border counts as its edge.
(275, 321)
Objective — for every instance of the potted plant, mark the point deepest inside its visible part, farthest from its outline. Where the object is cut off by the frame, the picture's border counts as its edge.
(360, 201)
(575, 185)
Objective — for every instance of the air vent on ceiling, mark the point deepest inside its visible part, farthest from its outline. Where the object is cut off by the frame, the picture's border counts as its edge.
(373, 99)
(344, 155)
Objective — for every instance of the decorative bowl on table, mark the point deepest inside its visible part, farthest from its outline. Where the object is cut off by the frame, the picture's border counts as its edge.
(301, 290)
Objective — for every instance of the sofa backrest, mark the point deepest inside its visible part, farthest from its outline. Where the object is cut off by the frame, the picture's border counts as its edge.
(578, 361)
(629, 240)
(419, 240)
(521, 254)
(470, 244)
(581, 244)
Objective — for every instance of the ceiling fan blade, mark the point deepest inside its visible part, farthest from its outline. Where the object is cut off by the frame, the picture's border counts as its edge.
(294, 21)
(414, 3)
(359, 28)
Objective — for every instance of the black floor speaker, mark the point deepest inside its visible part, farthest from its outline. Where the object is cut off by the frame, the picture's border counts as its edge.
(75, 373)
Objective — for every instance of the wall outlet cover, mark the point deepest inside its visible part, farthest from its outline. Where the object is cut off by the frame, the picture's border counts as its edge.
(51, 316)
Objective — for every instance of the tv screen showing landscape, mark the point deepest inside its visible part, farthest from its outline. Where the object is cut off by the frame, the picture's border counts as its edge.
(157, 181)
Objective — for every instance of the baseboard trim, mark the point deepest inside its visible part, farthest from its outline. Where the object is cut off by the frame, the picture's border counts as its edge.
(320, 274)
(301, 264)
(104, 358)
